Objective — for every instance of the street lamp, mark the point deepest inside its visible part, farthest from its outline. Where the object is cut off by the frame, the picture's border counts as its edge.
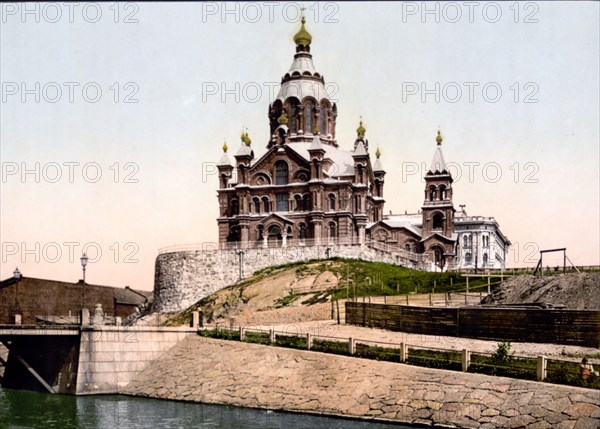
(84, 260)
(17, 276)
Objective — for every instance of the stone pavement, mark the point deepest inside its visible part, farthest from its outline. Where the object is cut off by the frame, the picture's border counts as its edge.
(225, 372)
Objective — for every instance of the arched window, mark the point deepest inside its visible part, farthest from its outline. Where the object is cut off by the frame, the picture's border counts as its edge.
(465, 241)
(442, 192)
(281, 173)
(438, 220)
(468, 258)
(256, 202)
(306, 202)
(485, 259)
(298, 203)
(332, 230)
(331, 199)
(308, 118)
(432, 193)
(323, 115)
(266, 204)
(235, 207)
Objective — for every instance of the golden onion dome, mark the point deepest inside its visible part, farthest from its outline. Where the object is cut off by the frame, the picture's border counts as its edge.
(302, 37)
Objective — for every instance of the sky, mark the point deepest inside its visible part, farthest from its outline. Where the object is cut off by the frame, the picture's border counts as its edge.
(113, 117)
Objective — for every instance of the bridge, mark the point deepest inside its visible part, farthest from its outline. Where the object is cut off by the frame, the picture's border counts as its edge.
(80, 359)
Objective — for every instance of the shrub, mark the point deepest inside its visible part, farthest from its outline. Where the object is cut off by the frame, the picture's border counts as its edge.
(327, 346)
(290, 341)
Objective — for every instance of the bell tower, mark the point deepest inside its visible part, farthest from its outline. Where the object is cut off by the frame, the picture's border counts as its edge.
(438, 210)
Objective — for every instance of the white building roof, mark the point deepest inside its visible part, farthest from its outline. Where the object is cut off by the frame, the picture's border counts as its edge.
(342, 161)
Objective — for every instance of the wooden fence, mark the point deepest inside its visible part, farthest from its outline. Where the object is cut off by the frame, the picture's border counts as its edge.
(570, 327)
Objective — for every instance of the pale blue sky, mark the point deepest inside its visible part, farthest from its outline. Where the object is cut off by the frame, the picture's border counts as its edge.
(370, 54)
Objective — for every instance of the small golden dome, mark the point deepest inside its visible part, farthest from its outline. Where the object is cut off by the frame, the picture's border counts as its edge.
(225, 147)
(283, 119)
(439, 138)
(302, 37)
(378, 153)
(245, 138)
(361, 130)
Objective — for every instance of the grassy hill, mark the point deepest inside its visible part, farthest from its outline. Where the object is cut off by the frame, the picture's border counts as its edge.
(320, 281)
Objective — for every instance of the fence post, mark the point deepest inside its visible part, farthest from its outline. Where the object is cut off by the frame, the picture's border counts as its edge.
(466, 360)
(467, 292)
(272, 336)
(195, 319)
(541, 368)
(430, 300)
(242, 332)
(309, 339)
(489, 290)
(352, 345)
(406, 299)
(403, 352)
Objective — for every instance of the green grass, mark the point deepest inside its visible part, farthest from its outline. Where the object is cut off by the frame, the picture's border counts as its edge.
(327, 346)
(377, 278)
(523, 368)
(435, 359)
(290, 341)
(257, 337)
(286, 300)
(377, 353)
(223, 334)
(560, 372)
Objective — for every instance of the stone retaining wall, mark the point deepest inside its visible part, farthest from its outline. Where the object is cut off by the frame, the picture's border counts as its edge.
(183, 278)
(110, 357)
(223, 372)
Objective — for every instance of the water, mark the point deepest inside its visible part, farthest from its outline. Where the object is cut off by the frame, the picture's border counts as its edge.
(21, 409)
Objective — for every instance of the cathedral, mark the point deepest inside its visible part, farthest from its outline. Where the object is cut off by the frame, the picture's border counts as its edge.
(307, 190)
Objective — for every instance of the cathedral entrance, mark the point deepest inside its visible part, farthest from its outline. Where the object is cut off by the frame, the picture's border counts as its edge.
(274, 238)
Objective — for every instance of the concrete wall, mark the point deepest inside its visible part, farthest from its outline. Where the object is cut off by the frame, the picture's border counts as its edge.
(109, 357)
(183, 278)
(250, 375)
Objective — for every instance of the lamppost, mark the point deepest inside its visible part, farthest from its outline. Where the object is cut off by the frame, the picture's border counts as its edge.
(84, 260)
(17, 276)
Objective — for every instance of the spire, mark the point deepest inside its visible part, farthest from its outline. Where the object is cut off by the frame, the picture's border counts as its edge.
(377, 167)
(225, 159)
(361, 130)
(360, 150)
(302, 37)
(438, 164)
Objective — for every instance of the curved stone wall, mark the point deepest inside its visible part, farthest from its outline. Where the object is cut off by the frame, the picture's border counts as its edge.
(183, 278)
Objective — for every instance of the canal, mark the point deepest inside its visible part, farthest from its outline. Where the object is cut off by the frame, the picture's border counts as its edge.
(22, 409)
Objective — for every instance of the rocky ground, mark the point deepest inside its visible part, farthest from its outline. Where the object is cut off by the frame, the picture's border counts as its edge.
(575, 291)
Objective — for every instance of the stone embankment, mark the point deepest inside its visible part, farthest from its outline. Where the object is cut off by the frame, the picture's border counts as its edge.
(222, 372)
